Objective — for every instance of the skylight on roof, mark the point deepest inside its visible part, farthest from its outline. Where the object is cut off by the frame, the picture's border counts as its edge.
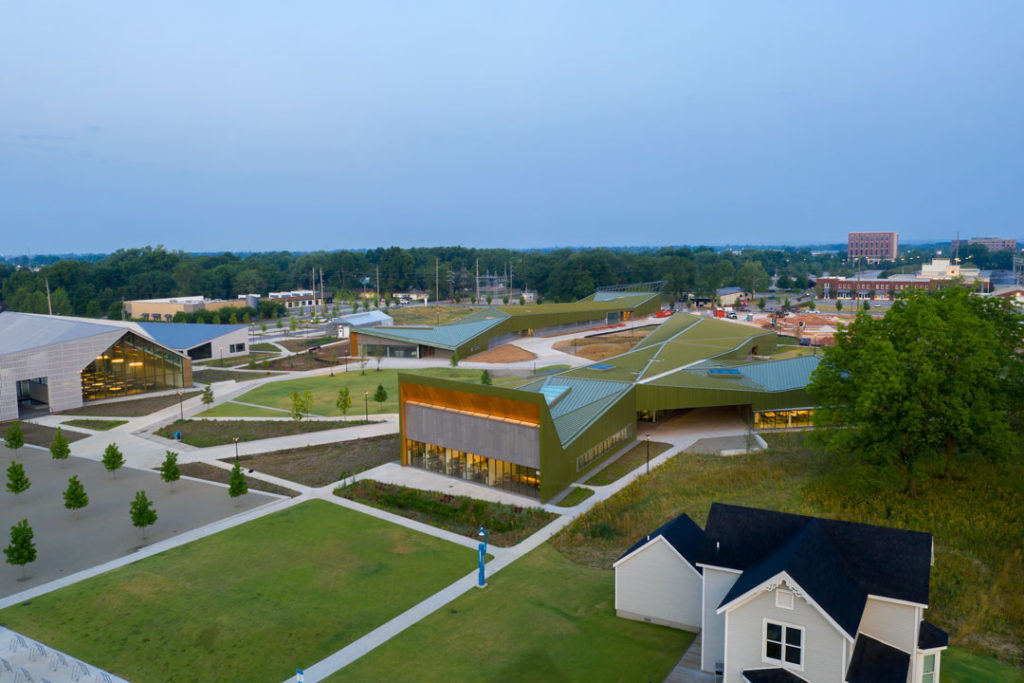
(724, 372)
(600, 366)
(553, 392)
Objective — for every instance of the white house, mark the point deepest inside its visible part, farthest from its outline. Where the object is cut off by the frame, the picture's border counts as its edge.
(787, 598)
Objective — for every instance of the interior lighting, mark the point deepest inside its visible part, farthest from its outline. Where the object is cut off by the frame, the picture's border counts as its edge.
(117, 360)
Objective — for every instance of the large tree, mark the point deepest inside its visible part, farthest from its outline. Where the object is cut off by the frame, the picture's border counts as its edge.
(942, 370)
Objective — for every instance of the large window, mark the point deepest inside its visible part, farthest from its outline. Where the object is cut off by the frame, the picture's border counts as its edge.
(472, 467)
(131, 365)
(783, 419)
(600, 449)
(783, 643)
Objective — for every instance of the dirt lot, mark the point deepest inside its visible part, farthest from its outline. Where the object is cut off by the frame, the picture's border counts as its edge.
(38, 435)
(133, 408)
(508, 353)
(200, 470)
(606, 345)
(326, 463)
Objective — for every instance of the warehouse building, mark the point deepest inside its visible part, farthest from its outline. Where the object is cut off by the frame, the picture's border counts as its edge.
(538, 439)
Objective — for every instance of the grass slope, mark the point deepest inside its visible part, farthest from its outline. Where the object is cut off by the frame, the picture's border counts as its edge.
(541, 619)
(204, 433)
(97, 425)
(231, 409)
(248, 604)
(975, 519)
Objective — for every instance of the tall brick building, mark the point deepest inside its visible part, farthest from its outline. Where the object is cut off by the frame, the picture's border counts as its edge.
(872, 246)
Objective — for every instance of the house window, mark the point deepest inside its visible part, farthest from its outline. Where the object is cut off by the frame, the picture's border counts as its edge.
(928, 671)
(784, 599)
(783, 643)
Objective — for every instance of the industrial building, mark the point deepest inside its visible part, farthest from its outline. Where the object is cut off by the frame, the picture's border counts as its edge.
(538, 439)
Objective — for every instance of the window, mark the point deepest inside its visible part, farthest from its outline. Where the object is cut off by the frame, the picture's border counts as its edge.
(783, 643)
(237, 348)
(928, 671)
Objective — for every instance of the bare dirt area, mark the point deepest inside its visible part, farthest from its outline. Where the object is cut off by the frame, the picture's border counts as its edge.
(605, 345)
(509, 353)
(201, 470)
(38, 435)
(325, 463)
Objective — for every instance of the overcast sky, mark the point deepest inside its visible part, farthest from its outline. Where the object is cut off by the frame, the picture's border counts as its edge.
(306, 125)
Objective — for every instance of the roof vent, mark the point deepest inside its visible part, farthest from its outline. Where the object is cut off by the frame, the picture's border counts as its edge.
(718, 545)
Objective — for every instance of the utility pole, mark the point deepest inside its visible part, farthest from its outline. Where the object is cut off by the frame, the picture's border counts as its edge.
(378, 286)
(477, 281)
(312, 285)
(510, 280)
(49, 304)
(437, 282)
(323, 299)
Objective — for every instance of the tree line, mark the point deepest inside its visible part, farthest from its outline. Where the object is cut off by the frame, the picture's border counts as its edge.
(94, 287)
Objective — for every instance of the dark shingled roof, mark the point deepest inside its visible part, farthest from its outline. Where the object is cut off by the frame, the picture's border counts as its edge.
(931, 637)
(682, 533)
(810, 558)
(775, 675)
(892, 563)
(876, 662)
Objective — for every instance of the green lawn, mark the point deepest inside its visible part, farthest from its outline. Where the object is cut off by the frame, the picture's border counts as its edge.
(543, 618)
(230, 409)
(575, 497)
(959, 666)
(627, 462)
(205, 433)
(325, 389)
(248, 604)
(98, 425)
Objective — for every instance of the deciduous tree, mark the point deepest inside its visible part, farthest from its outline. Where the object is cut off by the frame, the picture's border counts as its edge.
(113, 460)
(17, 481)
(169, 470)
(22, 549)
(380, 395)
(207, 395)
(344, 401)
(60, 449)
(14, 438)
(236, 484)
(75, 497)
(142, 512)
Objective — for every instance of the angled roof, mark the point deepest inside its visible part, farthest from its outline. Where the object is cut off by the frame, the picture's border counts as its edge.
(364, 318)
(931, 637)
(875, 662)
(882, 561)
(682, 533)
(25, 331)
(810, 558)
(448, 336)
(185, 335)
(772, 375)
(580, 403)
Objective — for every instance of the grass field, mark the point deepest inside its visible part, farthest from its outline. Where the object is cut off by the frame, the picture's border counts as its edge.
(248, 604)
(575, 497)
(325, 389)
(627, 462)
(205, 433)
(237, 360)
(326, 463)
(211, 376)
(960, 666)
(541, 619)
(975, 593)
(230, 409)
(134, 408)
(97, 425)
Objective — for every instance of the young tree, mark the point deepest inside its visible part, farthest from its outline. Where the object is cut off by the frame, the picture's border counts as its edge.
(522, 300)
(14, 438)
(22, 549)
(307, 401)
(761, 303)
(298, 404)
(378, 355)
(169, 470)
(344, 401)
(454, 360)
(113, 460)
(489, 297)
(207, 395)
(279, 324)
(839, 305)
(485, 377)
(17, 482)
(75, 497)
(236, 484)
(380, 395)
(941, 369)
(60, 449)
(293, 324)
(142, 512)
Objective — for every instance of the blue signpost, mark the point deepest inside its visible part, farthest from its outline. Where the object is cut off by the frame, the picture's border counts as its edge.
(482, 552)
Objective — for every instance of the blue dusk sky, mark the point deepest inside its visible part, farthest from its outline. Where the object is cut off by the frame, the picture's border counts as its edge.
(257, 125)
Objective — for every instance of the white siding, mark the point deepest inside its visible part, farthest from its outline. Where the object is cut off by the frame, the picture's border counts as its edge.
(822, 643)
(717, 583)
(891, 623)
(656, 584)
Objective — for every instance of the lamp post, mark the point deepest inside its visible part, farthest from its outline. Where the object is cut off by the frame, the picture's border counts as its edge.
(647, 438)
(222, 356)
(481, 555)
(181, 394)
(235, 439)
(366, 406)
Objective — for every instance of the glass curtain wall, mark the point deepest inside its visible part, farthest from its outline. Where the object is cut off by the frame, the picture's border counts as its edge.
(132, 365)
(472, 467)
(783, 419)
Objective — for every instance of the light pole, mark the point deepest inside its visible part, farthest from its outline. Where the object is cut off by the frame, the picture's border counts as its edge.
(366, 406)
(181, 394)
(222, 356)
(235, 439)
(647, 438)
(481, 555)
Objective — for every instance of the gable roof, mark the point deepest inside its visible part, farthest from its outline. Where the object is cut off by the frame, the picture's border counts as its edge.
(185, 335)
(24, 331)
(682, 533)
(812, 561)
(875, 662)
(364, 318)
(931, 637)
(882, 561)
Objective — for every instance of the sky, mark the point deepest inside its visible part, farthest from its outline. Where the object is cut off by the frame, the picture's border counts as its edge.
(255, 126)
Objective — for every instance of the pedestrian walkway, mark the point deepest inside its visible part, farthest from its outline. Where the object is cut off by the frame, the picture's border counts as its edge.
(688, 669)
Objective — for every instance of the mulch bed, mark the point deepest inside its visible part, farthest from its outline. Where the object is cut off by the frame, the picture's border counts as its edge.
(204, 433)
(326, 463)
(38, 435)
(133, 408)
(201, 470)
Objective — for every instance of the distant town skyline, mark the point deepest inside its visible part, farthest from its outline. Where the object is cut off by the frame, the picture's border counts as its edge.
(268, 127)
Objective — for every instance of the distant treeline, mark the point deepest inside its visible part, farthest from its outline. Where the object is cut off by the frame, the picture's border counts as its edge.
(95, 286)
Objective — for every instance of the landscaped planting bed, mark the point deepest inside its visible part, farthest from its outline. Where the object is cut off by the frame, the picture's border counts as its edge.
(326, 463)
(97, 425)
(204, 433)
(136, 407)
(506, 524)
(38, 435)
(202, 470)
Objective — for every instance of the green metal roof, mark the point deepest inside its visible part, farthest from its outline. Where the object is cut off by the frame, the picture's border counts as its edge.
(769, 376)
(592, 303)
(445, 336)
(580, 402)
